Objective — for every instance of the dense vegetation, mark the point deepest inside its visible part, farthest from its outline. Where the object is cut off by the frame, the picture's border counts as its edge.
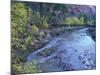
(29, 23)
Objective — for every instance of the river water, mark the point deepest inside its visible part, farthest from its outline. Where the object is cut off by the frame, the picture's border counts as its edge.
(67, 52)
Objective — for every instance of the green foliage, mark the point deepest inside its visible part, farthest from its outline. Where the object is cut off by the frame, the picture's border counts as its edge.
(40, 21)
(74, 20)
(17, 68)
(21, 38)
(45, 25)
(90, 22)
(26, 24)
(19, 14)
(87, 19)
(29, 67)
(81, 20)
(35, 29)
(36, 17)
(18, 23)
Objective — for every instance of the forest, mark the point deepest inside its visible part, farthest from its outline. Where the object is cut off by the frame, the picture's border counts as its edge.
(35, 24)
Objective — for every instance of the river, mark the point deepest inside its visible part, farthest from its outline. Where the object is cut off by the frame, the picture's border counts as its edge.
(67, 52)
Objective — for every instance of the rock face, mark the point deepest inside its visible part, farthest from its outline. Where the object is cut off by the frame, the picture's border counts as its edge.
(75, 51)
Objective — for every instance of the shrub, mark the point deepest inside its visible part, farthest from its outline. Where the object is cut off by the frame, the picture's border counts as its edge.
(21, 38)
(30, 67)
(74, 20)
(34, 29)
(27, 67)
(45, 25)
(17, 68)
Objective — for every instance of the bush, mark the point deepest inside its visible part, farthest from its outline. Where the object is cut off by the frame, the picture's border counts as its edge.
(45, 25)
(34, 29)
(90, 22)
(30, 67)
(40, 21)
(27, 67)
(16, 68)
(20, 37)
(74, 20)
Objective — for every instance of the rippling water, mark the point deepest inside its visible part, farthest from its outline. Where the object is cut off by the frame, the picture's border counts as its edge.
(75, 51)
